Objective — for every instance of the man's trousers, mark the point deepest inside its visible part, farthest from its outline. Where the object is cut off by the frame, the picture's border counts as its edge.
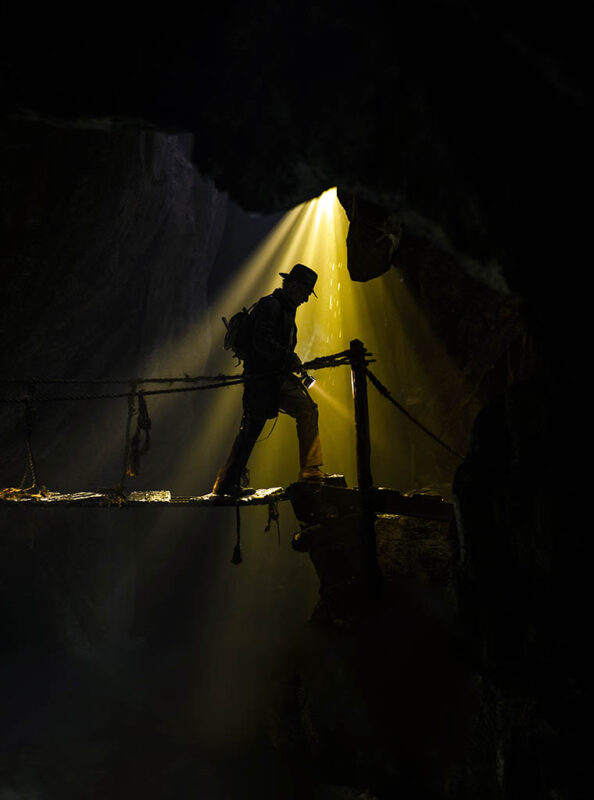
(297, 403)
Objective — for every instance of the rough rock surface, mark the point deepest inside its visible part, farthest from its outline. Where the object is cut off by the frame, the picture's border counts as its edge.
(522, 584)
(382, 695)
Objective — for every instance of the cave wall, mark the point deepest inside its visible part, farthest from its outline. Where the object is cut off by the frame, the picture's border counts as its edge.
(108, 238)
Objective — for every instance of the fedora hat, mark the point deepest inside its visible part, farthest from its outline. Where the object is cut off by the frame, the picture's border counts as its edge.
(303, 275)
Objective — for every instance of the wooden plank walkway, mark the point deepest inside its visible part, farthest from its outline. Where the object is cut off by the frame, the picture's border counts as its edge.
(344, 499)
(257, 497)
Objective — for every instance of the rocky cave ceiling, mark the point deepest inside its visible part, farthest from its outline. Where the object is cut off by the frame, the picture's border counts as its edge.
(463, 129)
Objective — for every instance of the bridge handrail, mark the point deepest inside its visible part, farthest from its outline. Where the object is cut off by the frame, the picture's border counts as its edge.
(212, 382)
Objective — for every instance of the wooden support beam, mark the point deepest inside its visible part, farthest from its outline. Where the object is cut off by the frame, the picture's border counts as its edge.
(359, 383)
(371, 568)
(311, 503)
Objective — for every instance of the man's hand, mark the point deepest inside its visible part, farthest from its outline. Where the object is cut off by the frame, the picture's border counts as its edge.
(295, 363)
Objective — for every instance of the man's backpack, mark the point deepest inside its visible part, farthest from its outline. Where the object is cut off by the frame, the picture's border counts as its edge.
(238, 337)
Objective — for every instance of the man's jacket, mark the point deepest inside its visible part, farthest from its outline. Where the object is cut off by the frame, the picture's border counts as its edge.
(274, 336)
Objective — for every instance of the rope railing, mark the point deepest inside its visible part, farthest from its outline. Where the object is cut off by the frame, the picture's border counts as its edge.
(213, 382)
(91, 381)
(321, 362)
(383, 391)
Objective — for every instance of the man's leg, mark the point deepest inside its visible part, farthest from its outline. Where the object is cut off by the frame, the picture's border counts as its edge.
(296, 401)
(228, 479)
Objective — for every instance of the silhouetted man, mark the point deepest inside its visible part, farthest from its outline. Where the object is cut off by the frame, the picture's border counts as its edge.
(272, 386)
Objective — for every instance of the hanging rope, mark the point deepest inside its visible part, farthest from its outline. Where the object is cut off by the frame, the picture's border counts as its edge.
(236, 558)
(273, 516)
(30, 469)
(28, 432)
(268, 435)
(131, 396)
(382, 390)
(35, 487)
(143, 425)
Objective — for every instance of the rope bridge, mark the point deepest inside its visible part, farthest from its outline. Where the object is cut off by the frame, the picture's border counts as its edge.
(138, 443)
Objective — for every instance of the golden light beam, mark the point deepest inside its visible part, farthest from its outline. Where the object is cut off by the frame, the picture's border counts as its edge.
(382, 313)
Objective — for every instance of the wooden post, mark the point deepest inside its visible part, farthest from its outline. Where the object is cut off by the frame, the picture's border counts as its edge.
(359, 382)
(364, 477)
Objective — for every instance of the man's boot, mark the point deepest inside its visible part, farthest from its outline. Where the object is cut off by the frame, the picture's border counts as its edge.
(312, 474)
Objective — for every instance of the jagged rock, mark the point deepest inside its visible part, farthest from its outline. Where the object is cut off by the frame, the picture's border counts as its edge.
(383, 694)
